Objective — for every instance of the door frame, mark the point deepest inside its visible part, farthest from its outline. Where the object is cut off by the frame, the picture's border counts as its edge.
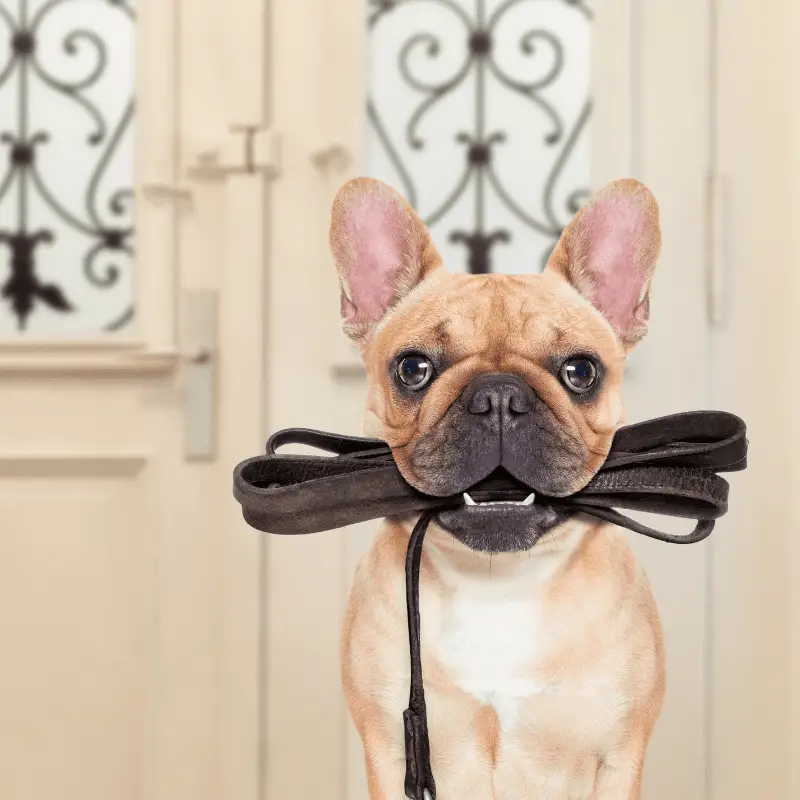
(755, 715)
(792, 31)
(222, 248)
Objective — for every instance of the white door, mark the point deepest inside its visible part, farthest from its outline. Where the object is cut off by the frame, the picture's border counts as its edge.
(478, 110)
(153, 645)
(131, 364)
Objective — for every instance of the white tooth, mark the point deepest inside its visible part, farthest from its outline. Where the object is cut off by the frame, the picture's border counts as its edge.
(526, 502)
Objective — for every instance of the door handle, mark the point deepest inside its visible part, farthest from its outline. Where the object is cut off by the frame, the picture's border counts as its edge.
(200, 376)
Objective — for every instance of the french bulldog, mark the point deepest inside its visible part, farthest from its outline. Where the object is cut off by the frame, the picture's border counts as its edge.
(542, 649)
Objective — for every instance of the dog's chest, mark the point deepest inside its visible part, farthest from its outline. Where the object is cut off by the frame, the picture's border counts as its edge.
(490, 642)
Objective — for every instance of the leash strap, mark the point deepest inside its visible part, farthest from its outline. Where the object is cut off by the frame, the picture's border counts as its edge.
(419, 775)
(665, 466)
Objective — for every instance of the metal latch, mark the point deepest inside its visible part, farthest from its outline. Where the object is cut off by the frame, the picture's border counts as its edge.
(243, 150)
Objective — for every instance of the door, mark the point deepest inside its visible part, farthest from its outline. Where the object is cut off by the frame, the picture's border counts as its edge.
(131, 253)
(495, 119)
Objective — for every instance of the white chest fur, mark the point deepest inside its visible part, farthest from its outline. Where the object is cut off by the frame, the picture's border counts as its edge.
(491, 630)
(489, 642)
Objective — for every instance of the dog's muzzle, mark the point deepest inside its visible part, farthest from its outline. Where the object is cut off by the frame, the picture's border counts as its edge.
(497, 422)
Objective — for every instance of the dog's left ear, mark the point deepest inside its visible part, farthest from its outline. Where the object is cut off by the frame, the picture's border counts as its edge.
(382, 251)
(608, 253)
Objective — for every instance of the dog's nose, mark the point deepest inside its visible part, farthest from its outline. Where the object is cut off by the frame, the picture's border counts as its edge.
(501, 393)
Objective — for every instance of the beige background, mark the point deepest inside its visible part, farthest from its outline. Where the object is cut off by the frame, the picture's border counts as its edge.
(153, 646)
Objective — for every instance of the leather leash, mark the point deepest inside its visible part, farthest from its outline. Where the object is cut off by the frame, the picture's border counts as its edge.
(665, 466)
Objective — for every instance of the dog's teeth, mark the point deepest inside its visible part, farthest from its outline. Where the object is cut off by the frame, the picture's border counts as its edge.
(526, 502)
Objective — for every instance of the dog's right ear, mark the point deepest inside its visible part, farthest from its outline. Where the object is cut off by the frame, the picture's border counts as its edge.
(382, 250)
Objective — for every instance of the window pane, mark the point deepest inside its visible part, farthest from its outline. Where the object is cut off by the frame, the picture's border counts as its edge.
(66, 165)
(478, 113)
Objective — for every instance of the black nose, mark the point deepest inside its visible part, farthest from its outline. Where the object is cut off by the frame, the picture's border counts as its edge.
(498, 393)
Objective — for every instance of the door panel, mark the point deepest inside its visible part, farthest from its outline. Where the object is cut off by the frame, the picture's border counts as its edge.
(94, 610)
(66, 101)
(132, 586)
(755, 674)
(639, 95)
(74, 622)
(479, 113)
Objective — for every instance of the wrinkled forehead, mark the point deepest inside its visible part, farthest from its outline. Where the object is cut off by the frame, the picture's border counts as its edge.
(461, 315)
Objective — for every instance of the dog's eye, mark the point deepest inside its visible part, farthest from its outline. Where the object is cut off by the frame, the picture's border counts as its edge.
(414, 371)
(579, 375)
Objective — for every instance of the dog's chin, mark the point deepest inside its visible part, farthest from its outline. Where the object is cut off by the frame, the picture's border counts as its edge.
(505, 528)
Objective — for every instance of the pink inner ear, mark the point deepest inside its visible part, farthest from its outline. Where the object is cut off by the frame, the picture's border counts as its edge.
(613, 246)
(375, 229)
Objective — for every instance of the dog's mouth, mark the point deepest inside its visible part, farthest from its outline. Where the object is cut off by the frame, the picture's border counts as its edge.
(502, 515)
(470, 501)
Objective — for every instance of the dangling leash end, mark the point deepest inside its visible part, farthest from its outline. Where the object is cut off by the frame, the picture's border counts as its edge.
(419, 783)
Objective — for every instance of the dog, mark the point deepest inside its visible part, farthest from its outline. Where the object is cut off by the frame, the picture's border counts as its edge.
(542, 649)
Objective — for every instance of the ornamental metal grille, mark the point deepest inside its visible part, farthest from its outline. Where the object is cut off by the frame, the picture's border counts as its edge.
(478, 113)
(66, 165)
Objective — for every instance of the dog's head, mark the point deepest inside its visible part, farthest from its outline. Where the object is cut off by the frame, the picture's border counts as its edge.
(471, 376)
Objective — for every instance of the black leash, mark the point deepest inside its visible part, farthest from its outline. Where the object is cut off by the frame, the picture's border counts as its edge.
(419, 775)
(665, 466)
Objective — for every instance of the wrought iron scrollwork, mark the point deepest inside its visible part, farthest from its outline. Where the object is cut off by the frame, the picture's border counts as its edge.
(104, 218)
(476, 32)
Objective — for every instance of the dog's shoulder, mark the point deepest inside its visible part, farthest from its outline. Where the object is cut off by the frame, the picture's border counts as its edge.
(377, 595)
(605, 606)
(375, 620)
(377, 571)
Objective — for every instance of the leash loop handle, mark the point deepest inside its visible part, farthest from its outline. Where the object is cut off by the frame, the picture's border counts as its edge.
(663, 466)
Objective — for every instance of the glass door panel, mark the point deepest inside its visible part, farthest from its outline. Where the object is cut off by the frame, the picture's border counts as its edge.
(478, 112)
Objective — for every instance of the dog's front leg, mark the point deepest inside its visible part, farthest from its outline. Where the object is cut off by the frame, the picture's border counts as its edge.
(385, 763)
(618, 783)
(619, 776)
(386, 767)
